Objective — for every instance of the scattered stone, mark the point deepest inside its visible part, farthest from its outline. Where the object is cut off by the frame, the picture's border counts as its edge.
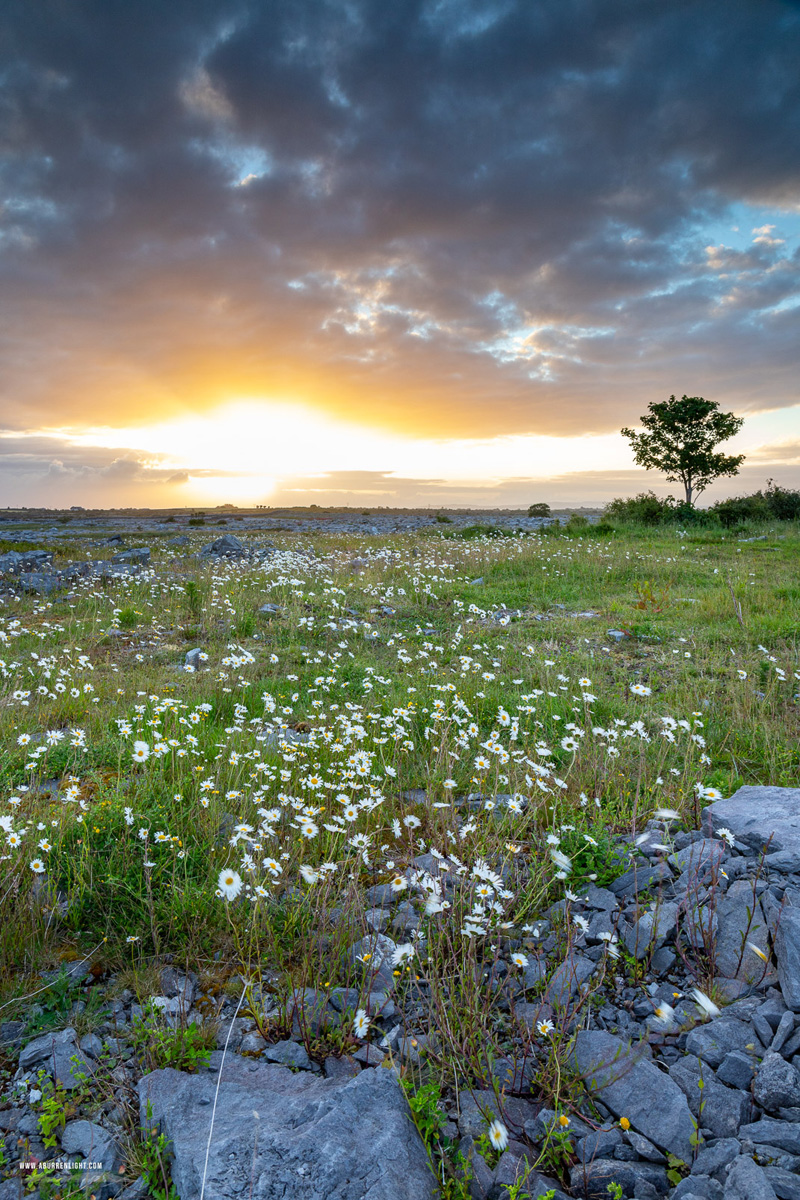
(736, 1070)
(592, 1179)
(567, 979)
(93, 1143)
(653, 928)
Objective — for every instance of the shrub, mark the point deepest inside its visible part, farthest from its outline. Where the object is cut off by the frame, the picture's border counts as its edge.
(576, 523)
(644, 509)
(785, 504)
(775, 504)
(539, 510)
(738, 509)
(649, 509)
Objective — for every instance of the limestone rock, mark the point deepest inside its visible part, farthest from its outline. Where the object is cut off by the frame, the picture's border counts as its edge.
(278, 1134)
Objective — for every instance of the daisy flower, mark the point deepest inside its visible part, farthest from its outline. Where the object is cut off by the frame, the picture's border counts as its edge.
(361, 1023)
(230, 884)
(498, 1135)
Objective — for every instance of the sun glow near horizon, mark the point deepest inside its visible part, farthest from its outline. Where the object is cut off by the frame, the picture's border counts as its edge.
(244, 449)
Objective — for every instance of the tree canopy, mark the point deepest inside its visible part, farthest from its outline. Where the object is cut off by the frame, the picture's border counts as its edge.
(679, 438)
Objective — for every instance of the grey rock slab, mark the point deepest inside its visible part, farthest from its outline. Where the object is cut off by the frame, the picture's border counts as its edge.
(640, 878)
(599, 898)
(533, 973)
(340, 1068)
(787, 952)
(288, 1054)
(784, 1031)
(698, 862)
(601, 1144)
(713, 1158)
(757, 814)
(653, 928)
(747, 1181)
(644, 1148)
(480, 1106)
(137, 554)
(41, 583)
(631, 1086)
(770, 1132)
(715, 1107)
(592, 1179)
(741, 923)
(713, 1041)
(785, 1184)
(53, 1052)
(567, 978)
(698, 1187)
(277, 1134)
(373, 956)
(777, 1083)
(93, 1144)
(736, 1070)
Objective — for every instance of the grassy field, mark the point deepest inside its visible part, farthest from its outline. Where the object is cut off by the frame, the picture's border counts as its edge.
(442, 695)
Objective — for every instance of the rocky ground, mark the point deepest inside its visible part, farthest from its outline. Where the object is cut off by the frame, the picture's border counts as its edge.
(674, 1092)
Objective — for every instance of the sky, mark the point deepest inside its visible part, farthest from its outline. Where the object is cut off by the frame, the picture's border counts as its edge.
(426, 252)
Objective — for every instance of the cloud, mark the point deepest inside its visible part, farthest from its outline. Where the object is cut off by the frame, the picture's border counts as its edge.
(51, 471)
(465, 216)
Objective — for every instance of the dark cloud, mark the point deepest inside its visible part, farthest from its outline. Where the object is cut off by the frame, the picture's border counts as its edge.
(458, 216)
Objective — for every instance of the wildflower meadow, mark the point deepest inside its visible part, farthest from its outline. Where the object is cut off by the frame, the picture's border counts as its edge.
(378, 775)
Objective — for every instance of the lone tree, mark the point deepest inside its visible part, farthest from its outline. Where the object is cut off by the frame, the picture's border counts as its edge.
(679, 437)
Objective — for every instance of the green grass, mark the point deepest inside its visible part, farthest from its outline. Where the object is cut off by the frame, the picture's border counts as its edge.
(405, 687)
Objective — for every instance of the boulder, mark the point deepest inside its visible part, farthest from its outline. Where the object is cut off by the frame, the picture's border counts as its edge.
(631, 1086)
(138, 555)
(757, 816)
(716, 1107)
(226, 546)
(787, 952)
(278, 1134)
(94, 1145)
(777, 1083)
(741, 920)
(713, 1041)
(54, 1053)
(746, 1181)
